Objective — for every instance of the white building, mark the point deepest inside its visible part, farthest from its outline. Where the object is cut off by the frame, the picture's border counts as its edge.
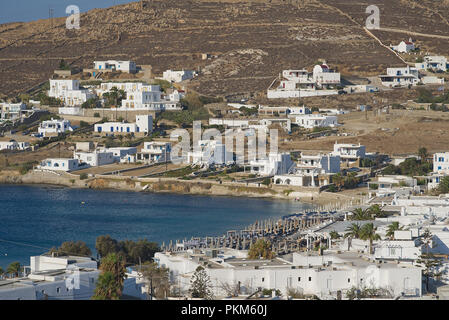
(400, 77)
(310, 121)
(311, 171)
(307, 273)
(404, 47)
(11, 111)
(155, 152)
(14, 145)
(274, 164)
(434, 63)
(60, 164)
(143, 125)
(300, 83)
(54, 127)
(178, 76)
(441, 162)
(69, 92)
(114, 65)
(95, 158)
(62, 278)
(349, 152)
(123, 154)
(141, 96)
(209, 152)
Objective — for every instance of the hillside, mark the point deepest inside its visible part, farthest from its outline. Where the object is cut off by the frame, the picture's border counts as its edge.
(254, 40)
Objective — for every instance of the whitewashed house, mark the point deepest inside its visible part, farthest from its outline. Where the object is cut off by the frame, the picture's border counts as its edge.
(404, 46)
(143, 125)
(95, 158)
(274, 164)
(60, 164)
(400, 77)
(440, 170)
(311, 171)
(349, 152)
(14, 145)
(300, 83)
(154, 152)
(54, 127)
(310, 121)
(114, 65)
(11, 111)
(209, 152)
(141, 96)
(69, 92)
(178, 76)
(123, 154)
(434, 63)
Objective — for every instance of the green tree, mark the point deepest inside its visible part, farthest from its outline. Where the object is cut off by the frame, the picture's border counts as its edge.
(334, 235)
(430, 267)
(157, 279)
(368, 232)
(423, 154)
(260, 249)
(392, 228)
(443, 186)
(200, 285)
(360, 214)
(375, 211)
(353, 231)
(105, 245)
(72, 248)
(14, 268)
(111, 280)
(338, 180)
(2, 272)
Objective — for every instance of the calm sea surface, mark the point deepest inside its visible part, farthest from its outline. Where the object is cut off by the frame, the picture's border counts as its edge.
(28, 10)
(35, 218)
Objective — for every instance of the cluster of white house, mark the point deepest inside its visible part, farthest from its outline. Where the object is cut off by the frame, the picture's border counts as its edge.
(307, 273)
(64, 278)
(301, 83)
(392, 263)
(139, 96)
(87, 155)
(405, 76)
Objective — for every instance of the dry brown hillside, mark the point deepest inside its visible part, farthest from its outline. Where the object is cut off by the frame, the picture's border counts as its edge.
(254, 40)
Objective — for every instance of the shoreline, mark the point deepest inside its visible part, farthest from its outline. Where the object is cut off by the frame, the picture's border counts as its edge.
(176, 186)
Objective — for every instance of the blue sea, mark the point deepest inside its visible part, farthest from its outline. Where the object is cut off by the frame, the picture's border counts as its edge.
(29, 10)
(36, 218)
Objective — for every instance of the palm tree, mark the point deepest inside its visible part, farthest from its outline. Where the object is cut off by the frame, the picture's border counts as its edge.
(375, 211)
(423, 154)
(392, 228)
(368, 232)
(110, 282)
(338, 180)
(14, 268)
(353, 231)
(360, 214)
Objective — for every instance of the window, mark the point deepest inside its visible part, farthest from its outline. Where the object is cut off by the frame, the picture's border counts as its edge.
(263, 279)
(58, 290)
(310, 278)
(349, 280)
(299, 279)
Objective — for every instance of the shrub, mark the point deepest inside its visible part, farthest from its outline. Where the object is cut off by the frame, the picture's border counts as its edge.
(83, 176)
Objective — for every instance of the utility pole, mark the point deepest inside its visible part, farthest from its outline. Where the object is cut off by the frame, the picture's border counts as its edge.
(50, 15)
